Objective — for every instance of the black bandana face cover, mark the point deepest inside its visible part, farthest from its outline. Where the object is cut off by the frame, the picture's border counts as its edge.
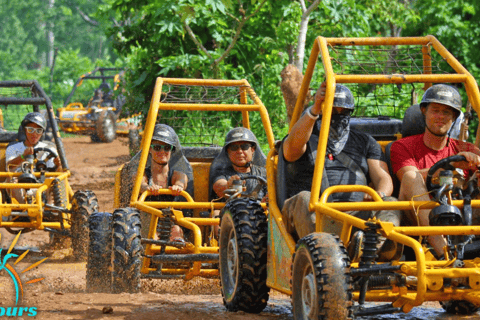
(338, 135)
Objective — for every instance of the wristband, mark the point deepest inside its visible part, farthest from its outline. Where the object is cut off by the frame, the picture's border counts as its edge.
(382, 194)
(21, 156)
(311, 115)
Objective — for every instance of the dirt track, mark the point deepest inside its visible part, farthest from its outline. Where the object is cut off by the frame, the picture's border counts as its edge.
(61, 294)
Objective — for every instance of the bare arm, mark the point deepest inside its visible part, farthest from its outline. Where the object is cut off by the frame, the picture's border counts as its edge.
(295, 144)
(15, 162)
(179, 182)
(378, 171)
(221, 185)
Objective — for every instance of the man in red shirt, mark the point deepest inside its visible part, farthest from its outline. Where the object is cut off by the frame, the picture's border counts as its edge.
(412, 157)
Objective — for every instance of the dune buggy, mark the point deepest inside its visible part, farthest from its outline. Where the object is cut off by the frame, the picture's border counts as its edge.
(385, 75)
(201, 112)
(100, 117)
(34, 197)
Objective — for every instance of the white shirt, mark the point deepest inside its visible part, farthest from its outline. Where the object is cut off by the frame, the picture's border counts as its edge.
(17, 149)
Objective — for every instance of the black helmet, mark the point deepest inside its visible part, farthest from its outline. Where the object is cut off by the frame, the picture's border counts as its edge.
(35, 117)
(165, 133)
(343, 97)
(240, 134)
(443, 94)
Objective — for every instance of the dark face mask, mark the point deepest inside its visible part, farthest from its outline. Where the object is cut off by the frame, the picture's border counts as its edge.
(338, 134)
(338, 125)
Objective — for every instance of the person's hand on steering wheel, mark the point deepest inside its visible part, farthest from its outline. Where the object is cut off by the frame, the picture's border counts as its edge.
(28, 151)
(472, 161)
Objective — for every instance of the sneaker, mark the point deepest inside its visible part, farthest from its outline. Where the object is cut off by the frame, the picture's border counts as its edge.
(355, 247)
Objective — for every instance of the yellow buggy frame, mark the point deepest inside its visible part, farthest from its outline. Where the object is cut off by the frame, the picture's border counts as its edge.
(162, 259)
(316, 271)
(64, 215)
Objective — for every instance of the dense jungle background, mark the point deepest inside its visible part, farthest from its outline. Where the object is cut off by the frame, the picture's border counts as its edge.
(56, 41)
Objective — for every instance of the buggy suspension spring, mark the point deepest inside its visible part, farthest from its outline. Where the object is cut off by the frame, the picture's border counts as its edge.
(368, 257)
(384, 280)
(369, 244)
(164, 227)
(59, 193)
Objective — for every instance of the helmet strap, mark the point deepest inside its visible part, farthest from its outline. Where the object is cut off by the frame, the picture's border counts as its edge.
(247, 165)
(435, 134)
(160, 163)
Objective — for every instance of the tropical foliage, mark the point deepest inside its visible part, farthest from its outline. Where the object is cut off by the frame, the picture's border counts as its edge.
(226, 39)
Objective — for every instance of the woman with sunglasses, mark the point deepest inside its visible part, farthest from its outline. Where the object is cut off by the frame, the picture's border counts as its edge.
(240, 148)
(30, 134)
(160, 175)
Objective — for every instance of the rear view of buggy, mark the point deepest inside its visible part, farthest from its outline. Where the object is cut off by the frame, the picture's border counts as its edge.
(385, 75)
(135, 242)
(101, 115)
(35, 196)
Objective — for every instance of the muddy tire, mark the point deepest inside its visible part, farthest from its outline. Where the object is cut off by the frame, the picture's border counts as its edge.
(133, 141)
(127, 250)
(243, 256)
(84, 204)
(321, 283)
(459, 307)
(99, 263)
(106, 126)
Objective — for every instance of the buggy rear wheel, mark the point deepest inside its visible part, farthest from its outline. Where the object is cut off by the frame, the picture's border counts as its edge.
(106, 126)
(243, 256)
(84, 203)
(321, 284)
(99, 263)
(127, 250)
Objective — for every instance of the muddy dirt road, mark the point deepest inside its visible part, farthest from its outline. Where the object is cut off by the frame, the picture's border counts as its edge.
(61, 294)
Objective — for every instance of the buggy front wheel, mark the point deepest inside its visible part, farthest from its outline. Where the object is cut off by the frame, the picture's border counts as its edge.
(321, 284)
(127, 250)
(243, 256)
(84, 203)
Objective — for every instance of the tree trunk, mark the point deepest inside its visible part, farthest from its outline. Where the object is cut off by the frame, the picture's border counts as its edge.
(302, 35)
(50, 37)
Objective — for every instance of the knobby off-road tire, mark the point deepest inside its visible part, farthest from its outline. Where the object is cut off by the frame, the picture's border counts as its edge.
(106, 126)
(99, 263)
(459, 307)
(243, 256)
(133, 141)
(321, 283)
(84, 203)
(127, 250)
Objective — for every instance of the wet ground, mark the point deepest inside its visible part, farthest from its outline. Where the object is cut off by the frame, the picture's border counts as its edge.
(61, 294)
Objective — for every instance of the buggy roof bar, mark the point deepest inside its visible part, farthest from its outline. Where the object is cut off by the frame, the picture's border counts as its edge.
(40, 99)
(91, 75)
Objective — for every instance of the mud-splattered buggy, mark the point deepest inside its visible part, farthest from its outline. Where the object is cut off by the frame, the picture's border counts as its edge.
(385, 75)
(201, 112)
(47, 202)
(100, 117)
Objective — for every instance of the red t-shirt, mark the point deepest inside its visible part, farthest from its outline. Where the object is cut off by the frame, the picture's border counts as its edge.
(411, 151)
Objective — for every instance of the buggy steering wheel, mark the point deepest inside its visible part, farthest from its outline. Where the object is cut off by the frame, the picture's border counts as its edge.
(442, 164)
(42, 164)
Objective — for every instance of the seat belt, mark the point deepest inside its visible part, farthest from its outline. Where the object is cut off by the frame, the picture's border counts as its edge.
(344, 159)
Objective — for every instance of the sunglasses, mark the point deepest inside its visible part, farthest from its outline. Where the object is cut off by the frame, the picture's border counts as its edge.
(34, 130)
(342, 111)
(159, 147)
(243, 146)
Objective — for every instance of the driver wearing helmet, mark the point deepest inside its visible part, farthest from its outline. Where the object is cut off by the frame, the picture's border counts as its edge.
(32, 128)
(352, 157)
(162, 175)
(411, 157)
(240, 147)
